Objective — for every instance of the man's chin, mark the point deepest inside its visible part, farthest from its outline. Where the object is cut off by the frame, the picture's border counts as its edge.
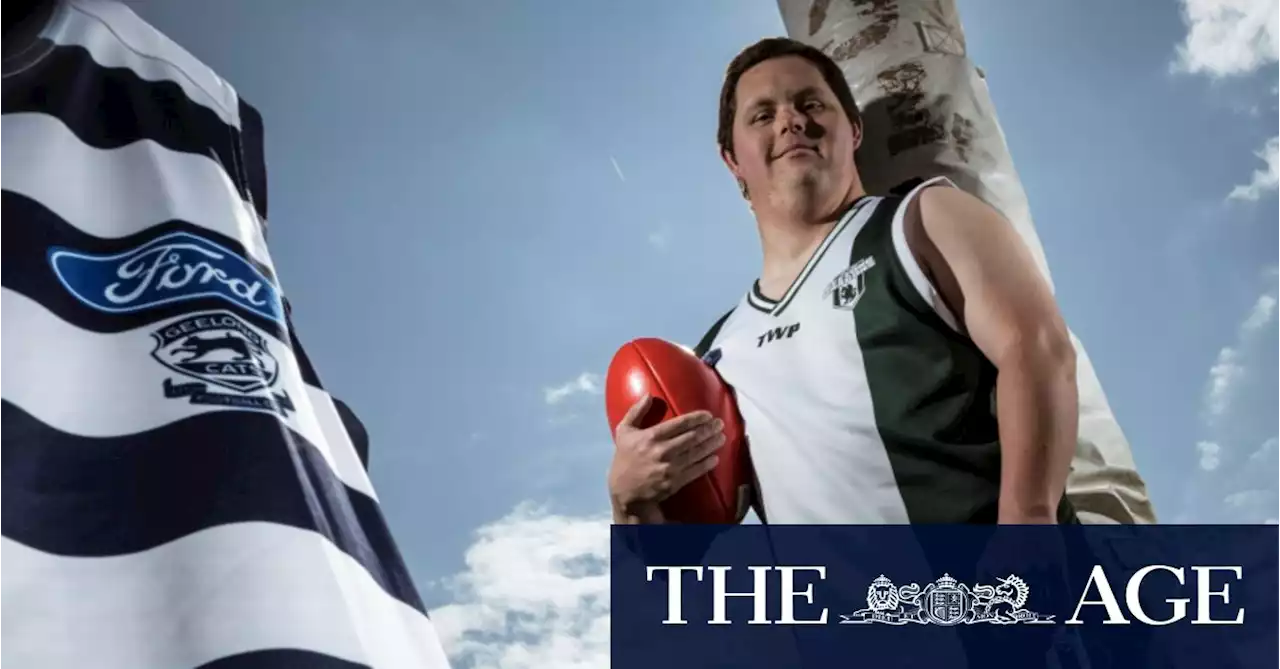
(801, 186)
(801, 180)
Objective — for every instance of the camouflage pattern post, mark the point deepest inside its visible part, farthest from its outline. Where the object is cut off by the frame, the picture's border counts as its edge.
(928, 112)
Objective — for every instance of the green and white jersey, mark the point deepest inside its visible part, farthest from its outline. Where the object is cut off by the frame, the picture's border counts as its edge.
(863, 403)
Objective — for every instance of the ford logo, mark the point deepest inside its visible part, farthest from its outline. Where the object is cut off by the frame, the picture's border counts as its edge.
(176, 267)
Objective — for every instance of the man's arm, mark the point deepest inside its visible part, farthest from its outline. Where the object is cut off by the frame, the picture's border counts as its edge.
(986, 274)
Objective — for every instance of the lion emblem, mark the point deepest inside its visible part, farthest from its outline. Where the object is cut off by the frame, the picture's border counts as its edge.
(881, 595)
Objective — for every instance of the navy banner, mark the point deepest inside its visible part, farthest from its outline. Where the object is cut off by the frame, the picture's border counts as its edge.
(1060, 597)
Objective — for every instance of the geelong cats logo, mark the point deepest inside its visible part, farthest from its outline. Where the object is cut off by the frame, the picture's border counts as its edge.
(218, 349)
(175, 267)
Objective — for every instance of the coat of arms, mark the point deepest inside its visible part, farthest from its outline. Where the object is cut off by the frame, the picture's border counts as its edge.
(946, 601)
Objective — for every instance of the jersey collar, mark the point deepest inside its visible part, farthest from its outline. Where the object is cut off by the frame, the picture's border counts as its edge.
(757, 299)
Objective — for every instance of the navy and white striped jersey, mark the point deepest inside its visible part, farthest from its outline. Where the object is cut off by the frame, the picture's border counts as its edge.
(178, 489)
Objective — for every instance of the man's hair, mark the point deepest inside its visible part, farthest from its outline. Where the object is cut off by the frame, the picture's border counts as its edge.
(768, 49)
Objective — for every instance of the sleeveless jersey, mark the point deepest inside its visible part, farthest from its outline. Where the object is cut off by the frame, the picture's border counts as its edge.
(178, 488)
(863, 403)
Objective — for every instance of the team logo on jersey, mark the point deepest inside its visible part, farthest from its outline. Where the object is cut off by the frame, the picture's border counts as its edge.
(173, 268)
(946, 602)
(219, 350)
(847, 288)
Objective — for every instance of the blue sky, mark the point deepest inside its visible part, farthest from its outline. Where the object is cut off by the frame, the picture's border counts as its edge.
(474, 204)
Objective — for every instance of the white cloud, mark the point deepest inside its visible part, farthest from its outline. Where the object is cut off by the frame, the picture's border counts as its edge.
(1208, 455)
(1263, 180)
(1250, 501)
(1261, 314)
(1263, 310)
(1228, 37)
(534, 595)
(585, 382)
(1265, 454)
(1237, 482)
(1225, 373)
(1229, 369)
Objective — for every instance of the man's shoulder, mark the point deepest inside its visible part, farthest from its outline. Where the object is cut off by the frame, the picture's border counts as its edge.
(911, 199)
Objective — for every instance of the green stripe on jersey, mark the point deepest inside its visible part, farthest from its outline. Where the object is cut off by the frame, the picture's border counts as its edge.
(932, 391)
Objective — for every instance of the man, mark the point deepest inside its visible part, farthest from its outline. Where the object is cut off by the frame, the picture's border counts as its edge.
(178, 488)
(899, 360)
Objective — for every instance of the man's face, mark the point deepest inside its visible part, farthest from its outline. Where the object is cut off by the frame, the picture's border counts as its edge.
(792, 142)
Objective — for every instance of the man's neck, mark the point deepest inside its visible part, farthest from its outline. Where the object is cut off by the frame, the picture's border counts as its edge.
(23, 21)
(788, 240)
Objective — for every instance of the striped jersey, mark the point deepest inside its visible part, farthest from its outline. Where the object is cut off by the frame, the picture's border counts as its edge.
(862, 401)
(178, 488)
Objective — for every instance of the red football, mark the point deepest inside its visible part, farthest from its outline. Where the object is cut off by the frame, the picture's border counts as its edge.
(680, 383)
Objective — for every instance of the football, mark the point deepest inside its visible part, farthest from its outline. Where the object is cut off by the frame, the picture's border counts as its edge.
(680, 383)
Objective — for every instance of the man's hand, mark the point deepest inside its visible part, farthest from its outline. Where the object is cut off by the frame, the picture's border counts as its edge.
(651, 464)
(989, 279)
